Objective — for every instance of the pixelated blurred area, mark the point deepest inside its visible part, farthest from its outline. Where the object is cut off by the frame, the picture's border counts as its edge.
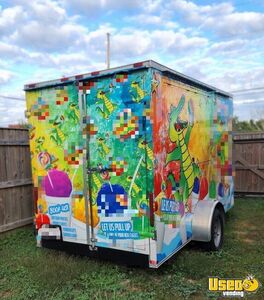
(126, 125)
(40, 109)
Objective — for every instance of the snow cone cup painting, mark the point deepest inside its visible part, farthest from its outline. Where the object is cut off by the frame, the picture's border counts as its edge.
(115, 224)
(58, 190)
(80, 228)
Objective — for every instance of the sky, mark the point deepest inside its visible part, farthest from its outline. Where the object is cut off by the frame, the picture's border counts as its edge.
(218, 42)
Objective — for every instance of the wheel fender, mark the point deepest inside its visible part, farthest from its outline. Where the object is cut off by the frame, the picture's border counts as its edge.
(202, 219)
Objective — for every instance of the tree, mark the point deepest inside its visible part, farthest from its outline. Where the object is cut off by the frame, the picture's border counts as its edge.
(21, 125)
(250, 125)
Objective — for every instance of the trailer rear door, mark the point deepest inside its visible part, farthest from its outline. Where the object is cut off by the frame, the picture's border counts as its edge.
(119, 161)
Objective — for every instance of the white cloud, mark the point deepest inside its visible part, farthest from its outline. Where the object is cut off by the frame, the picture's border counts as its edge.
(149, 19)
(131, 43)
(38, 36)
(40, 25)
(227, 75)
(220, 18)
(134, 43)
(234, 78)
(151, 6)
(5, 76)
(94, 8)
(9, 51)
(48, 39)
(49, 12)
(11, 112)
(228, 46)
(177, 41)
(198, 13)
(9, 18)
(244, 24)
(146, 19)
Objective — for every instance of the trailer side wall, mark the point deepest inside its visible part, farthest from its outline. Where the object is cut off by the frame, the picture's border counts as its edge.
(192, 149)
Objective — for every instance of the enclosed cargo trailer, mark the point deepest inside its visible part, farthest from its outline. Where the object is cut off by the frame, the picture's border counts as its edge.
(135, 158)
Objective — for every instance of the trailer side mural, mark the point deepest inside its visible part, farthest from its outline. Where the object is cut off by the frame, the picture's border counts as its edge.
(192, 157)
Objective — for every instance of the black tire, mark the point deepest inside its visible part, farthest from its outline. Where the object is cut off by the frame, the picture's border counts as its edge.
(35, 231)
(217, 231)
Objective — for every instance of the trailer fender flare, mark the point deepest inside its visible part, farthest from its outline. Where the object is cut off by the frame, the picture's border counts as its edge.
(202, 219)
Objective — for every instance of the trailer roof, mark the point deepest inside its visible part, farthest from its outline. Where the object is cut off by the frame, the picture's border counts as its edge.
(139, 65)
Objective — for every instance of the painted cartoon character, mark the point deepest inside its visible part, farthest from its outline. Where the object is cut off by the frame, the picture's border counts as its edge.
(103, 149)
(39, 144)
(137, 93)
(73, 112)
(96, 181)
(108, 106)
(179, 133)
(57, 134)
(144, 147)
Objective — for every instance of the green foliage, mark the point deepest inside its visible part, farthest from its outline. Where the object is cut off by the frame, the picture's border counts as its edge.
(27, 272)
(250, 125)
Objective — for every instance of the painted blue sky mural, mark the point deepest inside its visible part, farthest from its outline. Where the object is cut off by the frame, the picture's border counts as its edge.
(218, 42)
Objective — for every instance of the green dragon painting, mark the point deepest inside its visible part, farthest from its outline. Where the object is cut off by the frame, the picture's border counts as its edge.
(179, 133)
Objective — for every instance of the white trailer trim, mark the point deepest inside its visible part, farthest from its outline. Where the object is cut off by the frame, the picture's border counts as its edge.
(129, 67)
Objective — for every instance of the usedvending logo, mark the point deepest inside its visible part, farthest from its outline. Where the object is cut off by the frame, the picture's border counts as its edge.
(233, 287)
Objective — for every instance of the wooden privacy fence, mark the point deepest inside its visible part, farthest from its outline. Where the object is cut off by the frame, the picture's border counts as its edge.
(16, 205)
(248, 162)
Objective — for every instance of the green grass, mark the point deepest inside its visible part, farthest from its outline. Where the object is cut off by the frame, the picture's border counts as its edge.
(27, 272)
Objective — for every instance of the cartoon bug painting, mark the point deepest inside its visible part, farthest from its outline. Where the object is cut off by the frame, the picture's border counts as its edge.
(144, 147)
(40, 144)
(108, 106)
(103, 149)
(73, 113)
(57, 134)
(96, 184)
(136, 91)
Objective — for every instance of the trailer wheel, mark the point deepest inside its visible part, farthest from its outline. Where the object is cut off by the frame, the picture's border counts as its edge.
(217, 231)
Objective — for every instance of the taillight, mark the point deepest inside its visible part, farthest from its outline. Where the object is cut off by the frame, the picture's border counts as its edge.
(151, 209)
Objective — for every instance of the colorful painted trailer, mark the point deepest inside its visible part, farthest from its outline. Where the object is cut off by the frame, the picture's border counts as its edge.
(135, 159)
